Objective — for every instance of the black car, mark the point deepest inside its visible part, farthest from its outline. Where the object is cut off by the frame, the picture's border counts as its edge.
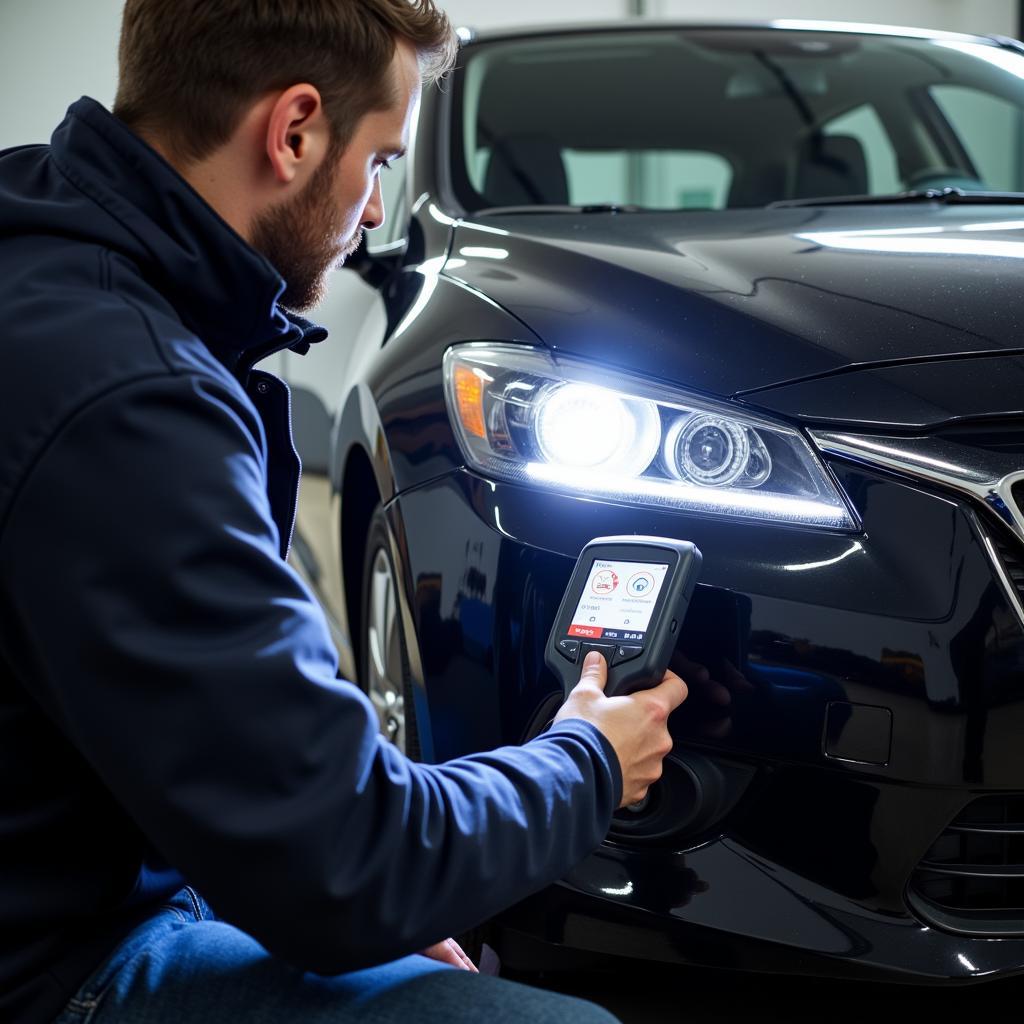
(759, 288)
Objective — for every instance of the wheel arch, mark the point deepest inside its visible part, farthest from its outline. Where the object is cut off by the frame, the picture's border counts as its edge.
(360, 495)
(363, 495)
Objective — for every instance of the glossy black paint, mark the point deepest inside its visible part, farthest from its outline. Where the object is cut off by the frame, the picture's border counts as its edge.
(701, 914)
(395, 410)
(805, 866)
(909, 636)
(916, 396)
(935, 641)
(733, 301)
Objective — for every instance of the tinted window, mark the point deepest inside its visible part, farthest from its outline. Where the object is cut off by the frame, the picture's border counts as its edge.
(989, 129)
(866, 127)
(647, 177)
(678, 119)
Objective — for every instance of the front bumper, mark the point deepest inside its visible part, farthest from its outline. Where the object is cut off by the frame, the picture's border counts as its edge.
(837, 639)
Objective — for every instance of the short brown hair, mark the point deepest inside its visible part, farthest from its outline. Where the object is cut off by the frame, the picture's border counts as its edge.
(189, 68)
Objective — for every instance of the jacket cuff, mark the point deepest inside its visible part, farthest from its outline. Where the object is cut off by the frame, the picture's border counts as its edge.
(599, 746)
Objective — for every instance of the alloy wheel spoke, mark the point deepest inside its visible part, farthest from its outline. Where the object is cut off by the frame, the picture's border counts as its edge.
(384, 645)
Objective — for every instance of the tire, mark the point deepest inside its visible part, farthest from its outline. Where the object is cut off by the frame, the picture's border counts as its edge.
(384, 665)
(383, 660)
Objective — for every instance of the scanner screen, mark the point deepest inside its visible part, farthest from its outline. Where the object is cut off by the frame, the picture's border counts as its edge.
(618, 600)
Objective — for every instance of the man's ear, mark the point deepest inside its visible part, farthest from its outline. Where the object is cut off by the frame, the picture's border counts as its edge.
(297, 134)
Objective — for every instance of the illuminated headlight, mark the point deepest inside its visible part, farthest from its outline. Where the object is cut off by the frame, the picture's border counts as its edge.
(519, 415)
(587, 427)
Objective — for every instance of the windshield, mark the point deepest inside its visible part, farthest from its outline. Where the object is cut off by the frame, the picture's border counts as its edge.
(715, 118)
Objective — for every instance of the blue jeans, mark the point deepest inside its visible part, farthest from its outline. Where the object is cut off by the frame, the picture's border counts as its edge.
(183, 965)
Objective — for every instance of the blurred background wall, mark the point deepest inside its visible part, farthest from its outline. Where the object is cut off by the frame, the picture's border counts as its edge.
(53, 51)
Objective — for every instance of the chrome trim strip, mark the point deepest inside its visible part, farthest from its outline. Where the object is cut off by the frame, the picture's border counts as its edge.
(981, 476)
(987, 477)
(971, 923)
(1012, 594)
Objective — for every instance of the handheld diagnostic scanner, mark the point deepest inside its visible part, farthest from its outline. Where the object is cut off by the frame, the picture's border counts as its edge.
(626, 599)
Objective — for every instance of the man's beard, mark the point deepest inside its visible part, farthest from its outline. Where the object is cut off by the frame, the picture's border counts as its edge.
(300, 238)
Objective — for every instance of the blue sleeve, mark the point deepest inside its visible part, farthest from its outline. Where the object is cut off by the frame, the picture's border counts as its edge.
(161, 631)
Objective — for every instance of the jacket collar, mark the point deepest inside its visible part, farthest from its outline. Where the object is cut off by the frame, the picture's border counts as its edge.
(222, 288)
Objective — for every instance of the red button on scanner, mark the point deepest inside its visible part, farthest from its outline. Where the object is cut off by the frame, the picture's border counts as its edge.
(591, 631)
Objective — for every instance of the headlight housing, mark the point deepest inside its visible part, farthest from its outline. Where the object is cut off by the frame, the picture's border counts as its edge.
(581, 429)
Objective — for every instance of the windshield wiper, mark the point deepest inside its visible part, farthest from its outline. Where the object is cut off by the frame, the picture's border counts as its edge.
(950, 196)
(564, 208)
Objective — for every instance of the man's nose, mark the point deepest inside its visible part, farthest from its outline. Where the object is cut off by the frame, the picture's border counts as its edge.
(373, 212)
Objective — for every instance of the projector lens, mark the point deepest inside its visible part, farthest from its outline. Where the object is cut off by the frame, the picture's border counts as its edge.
(580, 426)
(707, 450)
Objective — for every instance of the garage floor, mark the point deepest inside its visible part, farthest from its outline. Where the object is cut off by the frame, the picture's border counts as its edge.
(659, 995)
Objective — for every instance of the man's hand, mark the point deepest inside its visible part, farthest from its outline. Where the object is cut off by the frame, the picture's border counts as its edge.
(450, 952)
(714, 696)
(636, 726)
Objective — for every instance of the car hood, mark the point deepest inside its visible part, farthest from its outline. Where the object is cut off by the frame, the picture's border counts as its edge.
(738, 302)
(905, 396)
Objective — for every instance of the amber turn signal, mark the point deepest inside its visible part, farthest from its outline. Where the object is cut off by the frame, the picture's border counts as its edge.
(469, 399)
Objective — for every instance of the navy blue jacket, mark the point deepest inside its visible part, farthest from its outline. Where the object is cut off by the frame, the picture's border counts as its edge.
(169, 707)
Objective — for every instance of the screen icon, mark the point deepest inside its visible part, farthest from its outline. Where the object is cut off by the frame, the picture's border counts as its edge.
(640, 584)
(604, 582)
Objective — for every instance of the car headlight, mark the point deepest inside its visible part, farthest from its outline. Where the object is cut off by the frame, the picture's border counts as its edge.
(566, 425)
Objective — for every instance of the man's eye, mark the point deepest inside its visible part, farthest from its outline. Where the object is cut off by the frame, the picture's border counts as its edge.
(385, 165)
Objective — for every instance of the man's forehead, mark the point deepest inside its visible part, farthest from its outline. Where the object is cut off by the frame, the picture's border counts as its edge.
(405, 66)
(390, 128)
(405, 77)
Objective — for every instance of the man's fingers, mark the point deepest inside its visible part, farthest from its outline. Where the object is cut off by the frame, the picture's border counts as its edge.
(719, 694)
(463, 957)
(595, 669)
(673, 689)
(634, 801)
(449, 952)
(691, 670)
(736, 679)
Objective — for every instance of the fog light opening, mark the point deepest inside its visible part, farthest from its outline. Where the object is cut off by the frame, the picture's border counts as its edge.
(687, 800)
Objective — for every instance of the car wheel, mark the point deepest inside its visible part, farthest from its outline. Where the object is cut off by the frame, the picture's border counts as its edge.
(384, 663)
(384, 668)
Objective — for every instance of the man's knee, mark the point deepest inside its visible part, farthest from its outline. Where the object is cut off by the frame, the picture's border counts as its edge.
(560, 1009)
(501, 1001)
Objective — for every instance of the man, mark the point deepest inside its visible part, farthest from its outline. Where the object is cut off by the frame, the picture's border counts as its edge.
(170, 719)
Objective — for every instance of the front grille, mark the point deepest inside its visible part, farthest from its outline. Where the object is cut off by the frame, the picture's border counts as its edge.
(972, 879)
(1011, 554)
